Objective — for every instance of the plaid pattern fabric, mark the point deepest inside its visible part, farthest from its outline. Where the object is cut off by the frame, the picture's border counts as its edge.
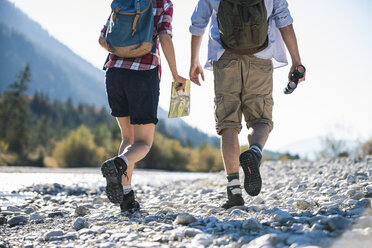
(163, 12)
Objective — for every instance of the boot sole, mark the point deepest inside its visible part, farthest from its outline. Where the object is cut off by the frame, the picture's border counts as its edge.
(114, 188)
(252, 177)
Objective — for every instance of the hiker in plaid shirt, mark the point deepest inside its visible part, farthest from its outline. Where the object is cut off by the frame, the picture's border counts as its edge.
(132, 86)
(163, 12)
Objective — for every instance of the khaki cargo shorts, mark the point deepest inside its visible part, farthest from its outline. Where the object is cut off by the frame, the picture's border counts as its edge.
(243, 84)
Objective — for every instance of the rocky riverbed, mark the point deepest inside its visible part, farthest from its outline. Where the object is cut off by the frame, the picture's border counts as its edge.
(319, 204)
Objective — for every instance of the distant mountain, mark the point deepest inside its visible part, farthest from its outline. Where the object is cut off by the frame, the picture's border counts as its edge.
(61, 74)
(56, 70)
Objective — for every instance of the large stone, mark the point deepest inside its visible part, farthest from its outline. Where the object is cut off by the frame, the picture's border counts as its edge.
(303, 205)
(80, 223)
(280, 215)
(55, 214)
(363, 203)
(13, 209)
(69, 236)
(37, 217)
(368, 189)
(47, 198)
(202, 240)
(251, 225)
(267, 240)
(98, 200)
(351, 179)
(184, 219)
(3, 220)
(338, 223)
(81, 211)
(17, 220)
(191, 232)
(29, 210)
(53, 234)
(354, 194)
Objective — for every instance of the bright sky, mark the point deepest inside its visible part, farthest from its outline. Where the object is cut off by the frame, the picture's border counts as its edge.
(334, 45)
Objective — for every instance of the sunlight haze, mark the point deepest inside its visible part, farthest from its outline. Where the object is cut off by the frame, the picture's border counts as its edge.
(334, 44)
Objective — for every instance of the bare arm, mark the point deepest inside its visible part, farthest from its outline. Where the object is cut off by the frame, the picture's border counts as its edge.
(195, 67)
(168, 50)
(290, 41)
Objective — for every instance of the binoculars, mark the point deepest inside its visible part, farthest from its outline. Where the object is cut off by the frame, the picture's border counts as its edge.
(298, 73)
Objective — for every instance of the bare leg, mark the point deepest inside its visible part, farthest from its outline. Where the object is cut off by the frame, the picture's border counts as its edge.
(143, 138)
(230, 154)
(127, 139)
(230, 150)
(250, 159)
(259, 134)
(127, 133)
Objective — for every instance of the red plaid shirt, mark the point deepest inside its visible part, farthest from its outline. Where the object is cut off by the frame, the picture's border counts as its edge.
(163, 13)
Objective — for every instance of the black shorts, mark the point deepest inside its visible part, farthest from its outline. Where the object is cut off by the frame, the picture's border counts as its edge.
(133, 93)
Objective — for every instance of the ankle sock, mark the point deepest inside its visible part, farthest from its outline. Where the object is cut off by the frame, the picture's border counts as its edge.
(257, 149)
(122, 156)
(127, 189)
(232, 176)
(233, 183)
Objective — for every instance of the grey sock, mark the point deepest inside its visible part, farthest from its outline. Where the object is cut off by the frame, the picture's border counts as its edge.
(257, 150)
(127, 189)
(233, 183)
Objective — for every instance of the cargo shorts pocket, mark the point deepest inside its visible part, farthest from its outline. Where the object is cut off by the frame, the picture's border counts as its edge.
(227, 76)
(265, 116)
(227, 113)
(227, 110)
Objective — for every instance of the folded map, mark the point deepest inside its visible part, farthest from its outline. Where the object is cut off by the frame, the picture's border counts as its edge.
(180, 101)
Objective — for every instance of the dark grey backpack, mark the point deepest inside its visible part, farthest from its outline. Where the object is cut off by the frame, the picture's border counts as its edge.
(243, 25)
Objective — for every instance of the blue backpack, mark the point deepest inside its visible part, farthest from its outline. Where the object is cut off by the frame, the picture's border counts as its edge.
(130, 30)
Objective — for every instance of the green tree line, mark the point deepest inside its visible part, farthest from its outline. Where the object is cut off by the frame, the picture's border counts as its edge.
(36, 131)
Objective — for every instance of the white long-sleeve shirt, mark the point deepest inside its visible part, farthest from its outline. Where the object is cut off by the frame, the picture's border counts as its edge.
(278, 17)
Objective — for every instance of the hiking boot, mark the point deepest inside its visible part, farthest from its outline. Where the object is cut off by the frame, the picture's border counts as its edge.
(233, 201)
(129, 203)
(250, 164)
(113, 170)
(234, 197)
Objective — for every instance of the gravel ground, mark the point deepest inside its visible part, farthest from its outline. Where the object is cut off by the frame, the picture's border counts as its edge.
(302, 204)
